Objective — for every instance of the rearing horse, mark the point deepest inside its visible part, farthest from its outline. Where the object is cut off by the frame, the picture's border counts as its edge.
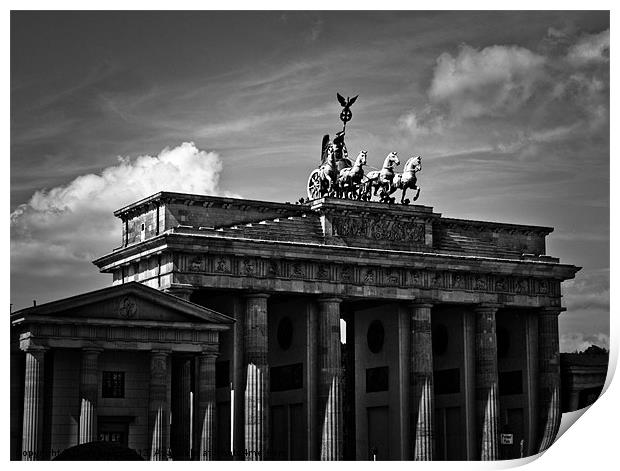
(381, 180)
(328, 172)
(408, 178)
(350, 178)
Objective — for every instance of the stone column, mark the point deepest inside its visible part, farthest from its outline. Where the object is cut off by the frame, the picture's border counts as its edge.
(181, 389)
(89, 392)
(404, 382)
(257, 378)
(206, 407)
(312, 380)
(469, 342)
(330, 394)
(159, 408)
(548, 376)
(487, 400)
(422, 403)
(32, 439)
(238, 381)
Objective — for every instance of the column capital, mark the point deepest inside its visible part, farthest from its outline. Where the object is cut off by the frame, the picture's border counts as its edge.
(329, 299)
(421, 303)
(160, 351)
(256, 295)
(183, 356)
(35, 349)
(487, 307)
(208, 354)
(552, 310)
(97, 350)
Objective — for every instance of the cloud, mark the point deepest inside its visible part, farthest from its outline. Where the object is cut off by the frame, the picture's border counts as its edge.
(588, 291)
(586, 320)
(590, 48)
(578, 342)
(556, 33)
(317, 29)
(60, 230)
(494, 80)
(516, 101)
(423, 122)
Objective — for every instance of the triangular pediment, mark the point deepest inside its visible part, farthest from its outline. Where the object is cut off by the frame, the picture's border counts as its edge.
(132, 302)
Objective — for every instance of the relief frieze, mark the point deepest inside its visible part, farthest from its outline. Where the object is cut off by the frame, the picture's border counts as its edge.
(392, 277)
(369, 275)
(196, 264)
(346, 274)
(298, 270)
(364, 228)
(128, 308)
(273, 270)
(222, 265)
(249, 267)
(323, 272)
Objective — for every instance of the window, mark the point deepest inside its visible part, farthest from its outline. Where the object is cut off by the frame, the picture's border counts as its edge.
(510, 382)
(503, 342)
(113, 384)
(375, 336)
(447, 381)
(377, 379)
(286, 377)
(440, 339)
(285, 333)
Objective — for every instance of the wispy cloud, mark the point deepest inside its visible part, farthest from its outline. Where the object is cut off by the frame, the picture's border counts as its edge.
(492, 81)
(590, 48)
(317, 29)
(546, 95)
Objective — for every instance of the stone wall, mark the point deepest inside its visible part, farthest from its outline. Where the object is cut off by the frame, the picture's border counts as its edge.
(375, 401)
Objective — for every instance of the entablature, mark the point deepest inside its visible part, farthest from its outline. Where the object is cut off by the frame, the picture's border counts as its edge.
(68, 332)
(196, 246)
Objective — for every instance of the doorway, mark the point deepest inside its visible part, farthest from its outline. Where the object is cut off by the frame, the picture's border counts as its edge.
(113, 429)
(288, 437)
(378, 433)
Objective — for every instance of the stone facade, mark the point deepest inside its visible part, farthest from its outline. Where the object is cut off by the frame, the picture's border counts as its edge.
(59, 394)
(451, 326)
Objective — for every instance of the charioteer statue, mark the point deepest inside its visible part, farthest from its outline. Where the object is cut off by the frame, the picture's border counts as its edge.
(338, 177)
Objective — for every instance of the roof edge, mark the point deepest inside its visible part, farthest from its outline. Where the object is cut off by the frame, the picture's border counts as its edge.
(169, 300)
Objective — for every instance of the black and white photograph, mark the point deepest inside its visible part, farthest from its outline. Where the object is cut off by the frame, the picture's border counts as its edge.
(303, 235)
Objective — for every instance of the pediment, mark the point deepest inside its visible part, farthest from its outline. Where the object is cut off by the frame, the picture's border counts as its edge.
(131, 302)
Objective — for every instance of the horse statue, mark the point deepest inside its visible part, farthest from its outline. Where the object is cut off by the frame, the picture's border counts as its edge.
(328, 172)
(379, 182)
(350, 178)
(408, 179)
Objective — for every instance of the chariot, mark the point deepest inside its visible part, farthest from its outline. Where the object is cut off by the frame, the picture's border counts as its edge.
(337, 176)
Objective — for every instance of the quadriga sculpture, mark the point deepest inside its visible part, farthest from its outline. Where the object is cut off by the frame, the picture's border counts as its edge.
(350, 179)
(379, 182)
(407, 179)
(323, 180)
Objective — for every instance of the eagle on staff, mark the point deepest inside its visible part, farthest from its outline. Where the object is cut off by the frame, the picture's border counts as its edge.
(346, 114)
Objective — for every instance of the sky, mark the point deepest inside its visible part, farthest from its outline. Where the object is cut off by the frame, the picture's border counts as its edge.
(509, 111)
